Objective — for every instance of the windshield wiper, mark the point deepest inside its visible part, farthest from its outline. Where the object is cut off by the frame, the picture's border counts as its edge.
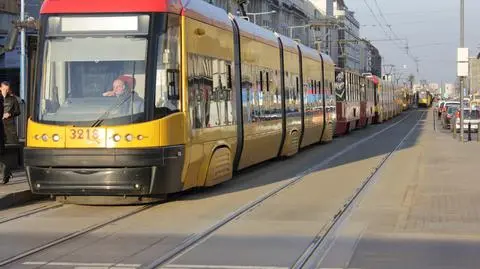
(100, 119)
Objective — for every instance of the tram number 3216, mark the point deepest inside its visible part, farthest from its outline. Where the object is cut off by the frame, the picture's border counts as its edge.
(80, 134)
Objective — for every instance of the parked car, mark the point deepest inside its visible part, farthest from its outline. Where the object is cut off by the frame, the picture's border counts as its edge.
(439, 108)
(448, 113)
(443, 107)
(470, 116)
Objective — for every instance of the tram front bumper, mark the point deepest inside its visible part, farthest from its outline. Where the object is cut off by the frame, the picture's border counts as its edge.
(116, 172)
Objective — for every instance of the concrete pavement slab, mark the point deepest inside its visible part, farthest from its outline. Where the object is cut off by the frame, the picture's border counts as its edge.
(16, 192)
(150, 234)
(422, 213)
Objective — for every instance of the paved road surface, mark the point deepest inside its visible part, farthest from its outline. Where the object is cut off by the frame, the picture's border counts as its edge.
(397, 216)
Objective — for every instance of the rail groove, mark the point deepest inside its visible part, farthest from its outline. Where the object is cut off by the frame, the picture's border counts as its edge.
(31, 212)
(319, 245)
(72, 235)
(198, 238)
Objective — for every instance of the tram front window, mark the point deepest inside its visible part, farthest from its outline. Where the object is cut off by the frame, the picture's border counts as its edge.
(88, 80)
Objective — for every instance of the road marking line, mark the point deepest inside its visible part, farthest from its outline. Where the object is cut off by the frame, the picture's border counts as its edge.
(197, 266)
(108, 265)
(103, 267)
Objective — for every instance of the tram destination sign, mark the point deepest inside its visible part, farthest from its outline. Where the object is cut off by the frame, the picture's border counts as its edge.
(73, 24)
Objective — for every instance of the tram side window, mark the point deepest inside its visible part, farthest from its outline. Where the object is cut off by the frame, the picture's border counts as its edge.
(347, 87)
(357, 92)
(167, 93)
(258, 96)
(290, 92)
(210, 92)
(320, 94)
(307, 95)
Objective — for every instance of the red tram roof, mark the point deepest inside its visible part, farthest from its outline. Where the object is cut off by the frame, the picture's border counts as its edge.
(109, 6)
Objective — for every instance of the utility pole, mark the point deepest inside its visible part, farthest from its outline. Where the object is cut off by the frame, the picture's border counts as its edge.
(23, 59)
(462, 45)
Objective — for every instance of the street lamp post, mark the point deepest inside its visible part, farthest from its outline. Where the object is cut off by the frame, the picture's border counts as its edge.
(462, 45)
(22, 53)
(260, 13)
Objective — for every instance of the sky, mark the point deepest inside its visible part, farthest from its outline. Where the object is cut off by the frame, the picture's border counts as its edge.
(432, 28)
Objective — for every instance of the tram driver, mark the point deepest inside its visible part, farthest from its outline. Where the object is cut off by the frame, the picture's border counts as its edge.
(122, 88)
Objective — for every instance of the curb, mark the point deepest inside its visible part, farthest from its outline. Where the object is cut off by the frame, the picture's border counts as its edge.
(18, 198)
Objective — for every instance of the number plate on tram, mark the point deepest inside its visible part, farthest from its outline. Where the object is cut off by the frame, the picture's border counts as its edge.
(86, 134)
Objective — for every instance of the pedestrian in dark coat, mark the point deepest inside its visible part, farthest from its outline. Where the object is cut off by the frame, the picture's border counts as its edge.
(5, 173)
(11, 110)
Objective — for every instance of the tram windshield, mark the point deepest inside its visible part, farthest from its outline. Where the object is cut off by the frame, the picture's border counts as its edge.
(87, 79)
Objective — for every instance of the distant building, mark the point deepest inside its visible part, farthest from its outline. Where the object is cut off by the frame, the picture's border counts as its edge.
(291, 17)
(328, 41)
(10, 61)
(348, 37)
(9, 10)
(474, 76)
(450, 90)
(375, 60)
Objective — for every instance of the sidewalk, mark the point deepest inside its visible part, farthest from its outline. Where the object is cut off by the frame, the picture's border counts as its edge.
(16, 191)
(422, 212)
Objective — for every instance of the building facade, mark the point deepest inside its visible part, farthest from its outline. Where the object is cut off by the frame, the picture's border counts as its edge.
(288, 17)
(474, 76)
(326, 25)
(365, 56)
(9, 10)
(375, 60)
(327, 40)
(10, 61)
(348, 37)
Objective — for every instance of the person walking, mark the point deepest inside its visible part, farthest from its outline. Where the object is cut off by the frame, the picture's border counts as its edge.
(11, 110)
(5, 172)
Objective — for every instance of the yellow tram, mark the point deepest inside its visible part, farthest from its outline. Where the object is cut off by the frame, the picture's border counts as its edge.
(138, 99)
(425, 98)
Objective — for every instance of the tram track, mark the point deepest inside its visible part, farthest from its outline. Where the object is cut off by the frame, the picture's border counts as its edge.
(320, 245)
(198, 238)
(72, 235)
(31, 212)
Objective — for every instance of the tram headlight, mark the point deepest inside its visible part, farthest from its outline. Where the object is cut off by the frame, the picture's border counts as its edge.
(116, 137)
(129, 137)
(45, 137)
(140, 137)
(56, 138)
(37, 137)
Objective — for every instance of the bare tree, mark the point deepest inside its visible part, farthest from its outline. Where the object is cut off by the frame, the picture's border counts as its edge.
(411, 79)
